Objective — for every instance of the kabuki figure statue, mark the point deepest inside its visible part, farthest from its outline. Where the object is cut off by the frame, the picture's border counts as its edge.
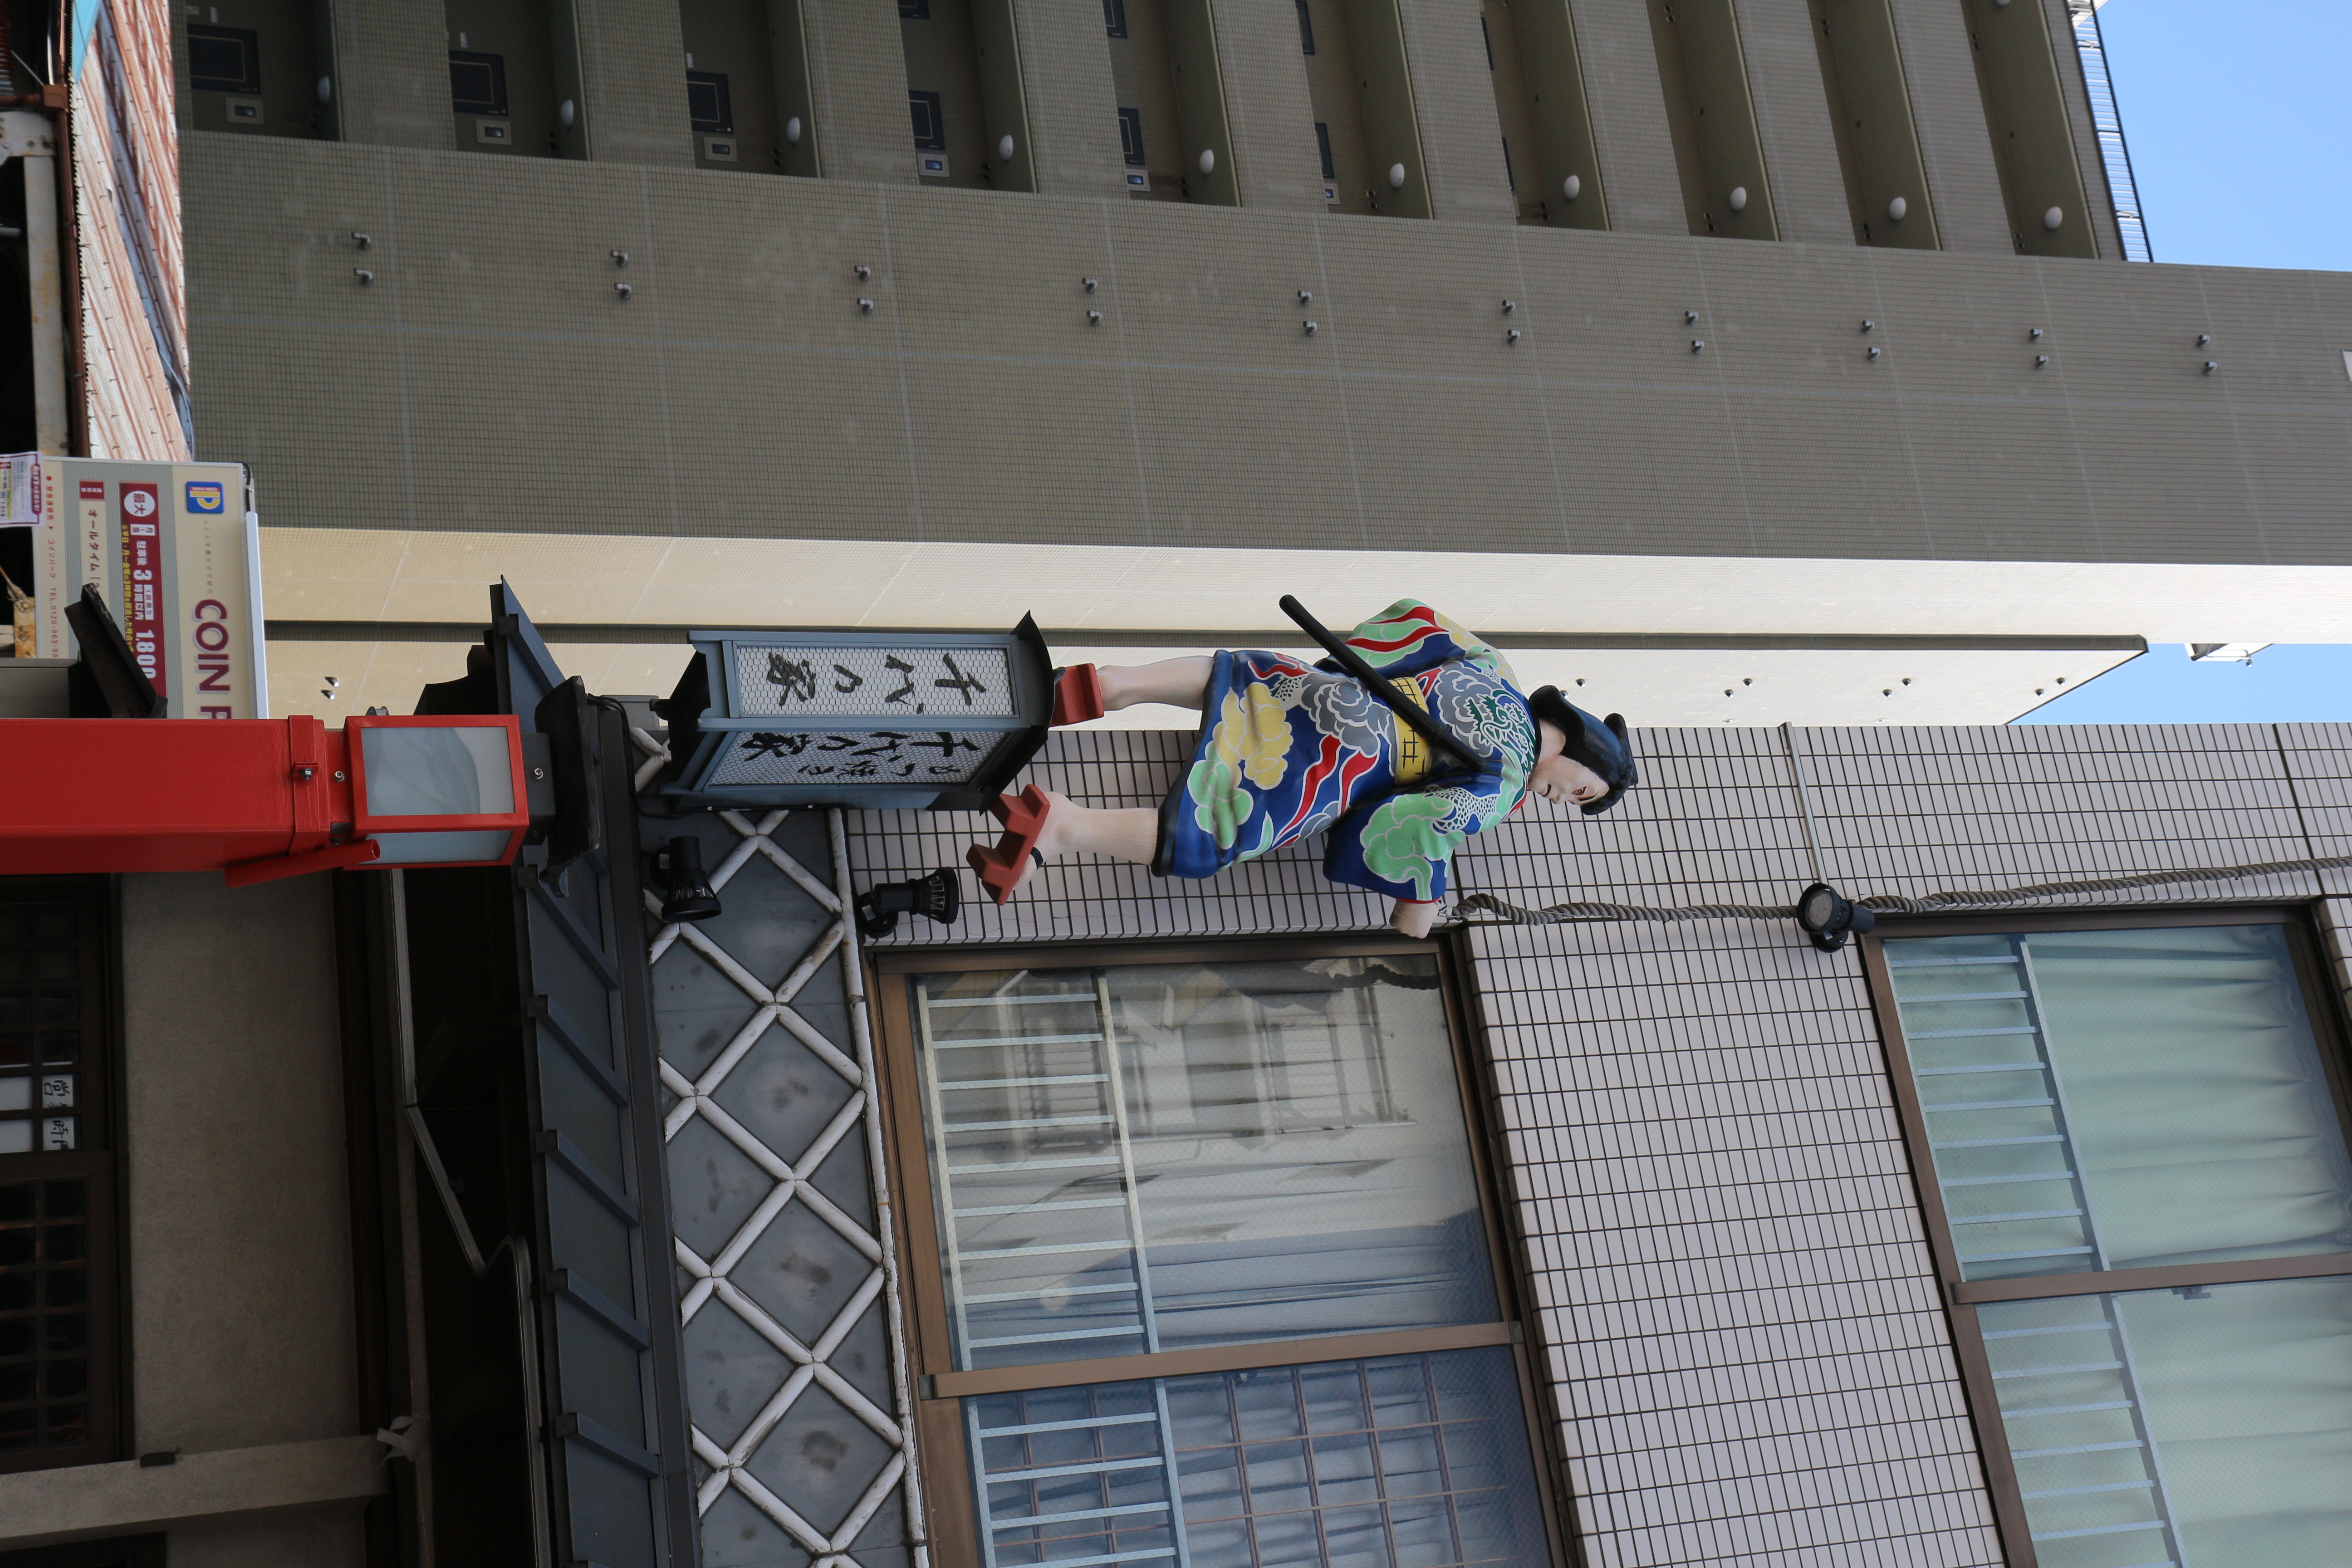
(1412, 737)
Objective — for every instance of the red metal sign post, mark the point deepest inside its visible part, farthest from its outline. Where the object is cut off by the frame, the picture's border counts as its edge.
(259, 798)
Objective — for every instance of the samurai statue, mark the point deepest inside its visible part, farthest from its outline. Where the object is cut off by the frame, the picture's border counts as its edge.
(1412, 737)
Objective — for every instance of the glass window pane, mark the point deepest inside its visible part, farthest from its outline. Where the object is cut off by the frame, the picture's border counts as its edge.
(2122, 1098)
(1085, 1473)
(1267, 1150)
(440, 849)
(422, 771)
(2207, 1425)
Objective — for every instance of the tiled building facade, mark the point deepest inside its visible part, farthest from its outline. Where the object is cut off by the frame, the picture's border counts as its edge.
(1748, 1353)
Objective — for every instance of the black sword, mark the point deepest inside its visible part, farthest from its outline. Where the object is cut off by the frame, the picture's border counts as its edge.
(1415, 719)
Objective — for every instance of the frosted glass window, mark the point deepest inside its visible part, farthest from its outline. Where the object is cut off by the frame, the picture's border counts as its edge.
(1156, 1157)
(419, 771)
(2126, 1099)
(441, 849)
(2208, 1426)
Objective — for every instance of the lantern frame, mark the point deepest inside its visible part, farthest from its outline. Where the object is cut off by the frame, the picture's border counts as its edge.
(367, 825)
(710, 710)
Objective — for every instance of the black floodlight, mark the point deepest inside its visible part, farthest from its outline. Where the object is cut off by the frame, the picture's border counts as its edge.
(690, 896)
(879, 907)
(1829, 917)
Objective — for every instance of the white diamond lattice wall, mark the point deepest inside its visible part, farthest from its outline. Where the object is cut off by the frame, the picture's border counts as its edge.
(788, 1287)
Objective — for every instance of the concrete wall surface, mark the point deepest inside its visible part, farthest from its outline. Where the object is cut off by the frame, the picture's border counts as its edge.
(242, 1322)
(493, 378)
(1720, 1230)
(283, 1503)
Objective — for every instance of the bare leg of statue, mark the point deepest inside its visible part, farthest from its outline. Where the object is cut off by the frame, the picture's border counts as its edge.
(1178, 682)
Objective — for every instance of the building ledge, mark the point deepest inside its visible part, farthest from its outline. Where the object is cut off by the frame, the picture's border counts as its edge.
(40, 1508)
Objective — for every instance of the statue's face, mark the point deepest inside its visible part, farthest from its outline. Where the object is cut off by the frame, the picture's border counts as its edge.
(1561, 780)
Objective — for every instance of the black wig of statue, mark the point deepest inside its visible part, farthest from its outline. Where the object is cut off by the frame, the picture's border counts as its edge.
(1599, 745)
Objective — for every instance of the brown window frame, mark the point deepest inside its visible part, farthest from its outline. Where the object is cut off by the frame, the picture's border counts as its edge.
(1963, 1296)
(94, 1161)
(939, 1389)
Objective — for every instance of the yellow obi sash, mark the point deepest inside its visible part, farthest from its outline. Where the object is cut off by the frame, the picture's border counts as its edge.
(1414, 758)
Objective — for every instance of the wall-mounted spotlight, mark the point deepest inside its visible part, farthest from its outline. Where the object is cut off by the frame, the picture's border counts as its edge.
(1396, 176)
(1828, 917)
(1004, 149)
(1739, 198)
(1572, 187)
(2053, 218)
(690, 896)
(1208, 160)
(1895, 209)
(792, 131)
(935, 895)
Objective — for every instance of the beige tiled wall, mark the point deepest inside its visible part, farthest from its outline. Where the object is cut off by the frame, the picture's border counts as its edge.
(1453, 98)
(492, 379)
(1793, 119)
(632, 69)
(1947, 109)
(391, 74)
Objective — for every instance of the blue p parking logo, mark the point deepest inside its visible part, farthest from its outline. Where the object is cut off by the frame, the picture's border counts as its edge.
(207, 497)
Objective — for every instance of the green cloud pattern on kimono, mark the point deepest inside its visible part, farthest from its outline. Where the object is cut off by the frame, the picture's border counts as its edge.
(1406, 835)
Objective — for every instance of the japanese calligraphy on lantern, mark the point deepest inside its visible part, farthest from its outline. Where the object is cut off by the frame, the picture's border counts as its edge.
(939, 758)
(887, 720)
(943, 685)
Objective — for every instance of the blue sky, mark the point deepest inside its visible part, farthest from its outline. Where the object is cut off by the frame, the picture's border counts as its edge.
(2238, 118)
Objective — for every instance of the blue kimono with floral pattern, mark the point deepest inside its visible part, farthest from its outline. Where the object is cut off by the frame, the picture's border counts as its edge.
(1287, 749)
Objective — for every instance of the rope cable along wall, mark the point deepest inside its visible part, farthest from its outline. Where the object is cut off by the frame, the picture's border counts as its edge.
(1508, 913)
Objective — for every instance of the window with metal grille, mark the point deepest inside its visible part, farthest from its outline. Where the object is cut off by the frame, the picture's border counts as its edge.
(478, 82)
(1130, 137)
(707, 100)
(2130, 1131)
(1204, 1268)
(57, 1358)
(1323, 145)
(1115, 18)
(224, 59)
(1306, 30)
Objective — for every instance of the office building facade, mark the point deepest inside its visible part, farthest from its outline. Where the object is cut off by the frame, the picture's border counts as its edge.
(1721, 405)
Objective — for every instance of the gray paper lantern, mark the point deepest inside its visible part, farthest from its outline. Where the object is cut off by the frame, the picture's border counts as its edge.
(876, 720)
